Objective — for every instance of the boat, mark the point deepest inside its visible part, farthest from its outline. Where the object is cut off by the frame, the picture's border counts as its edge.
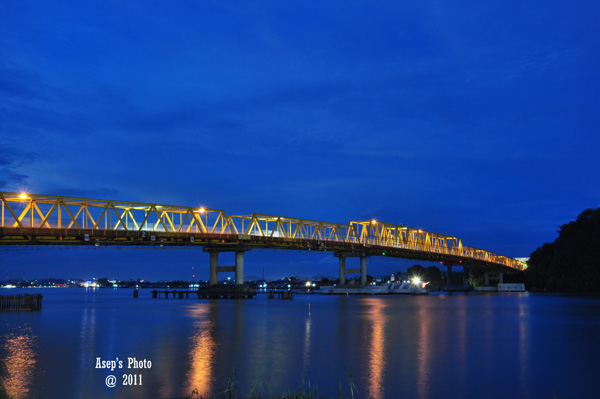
(395, 288)
(407, 288)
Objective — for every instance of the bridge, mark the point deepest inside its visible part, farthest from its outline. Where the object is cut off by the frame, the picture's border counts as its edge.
(33, 219)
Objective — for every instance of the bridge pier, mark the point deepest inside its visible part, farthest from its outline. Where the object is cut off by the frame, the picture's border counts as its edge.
(465, 274)
(363, 266)
(342, 270)
(214, 265)
(500, 278)
(363, 270)
(238, 269)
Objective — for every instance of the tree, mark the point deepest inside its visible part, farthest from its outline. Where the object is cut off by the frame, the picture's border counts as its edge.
(476, 277)
(102, 282)
(325, 281)
(434, 276)
(572, 261)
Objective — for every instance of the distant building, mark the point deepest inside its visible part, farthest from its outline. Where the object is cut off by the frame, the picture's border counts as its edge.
(524, 260)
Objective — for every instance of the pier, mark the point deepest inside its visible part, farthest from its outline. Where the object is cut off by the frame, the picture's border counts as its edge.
(226, 291)
(281, 294)
(21, 302)
(179, 294)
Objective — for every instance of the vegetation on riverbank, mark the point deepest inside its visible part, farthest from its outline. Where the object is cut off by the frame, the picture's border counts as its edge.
(572, 261)
(259, 389)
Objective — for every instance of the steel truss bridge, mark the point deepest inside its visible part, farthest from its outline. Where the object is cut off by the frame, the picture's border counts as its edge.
(32, 219)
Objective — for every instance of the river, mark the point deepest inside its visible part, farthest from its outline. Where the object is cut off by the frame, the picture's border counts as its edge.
(512, 345)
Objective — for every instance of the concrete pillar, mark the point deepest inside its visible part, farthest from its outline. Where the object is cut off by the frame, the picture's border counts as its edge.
(465, 275)
(487, 279)
(363, 270)
(214, 264)
(449, 274)
(239, 267)
(342, 270)
(501, 278)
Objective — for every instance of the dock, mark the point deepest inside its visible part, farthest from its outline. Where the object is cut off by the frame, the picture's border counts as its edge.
(175, 293)
(281, 294)
(21, 302)
(226, 291)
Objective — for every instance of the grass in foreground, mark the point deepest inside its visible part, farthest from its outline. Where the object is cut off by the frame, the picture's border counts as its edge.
(259, 389)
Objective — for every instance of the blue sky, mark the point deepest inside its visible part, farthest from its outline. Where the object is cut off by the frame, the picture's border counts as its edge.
(475, 120)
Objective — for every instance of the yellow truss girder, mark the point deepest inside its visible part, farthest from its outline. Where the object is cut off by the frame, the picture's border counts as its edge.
(43, 211)
(291, 228)
(397, 235)
(110, 215)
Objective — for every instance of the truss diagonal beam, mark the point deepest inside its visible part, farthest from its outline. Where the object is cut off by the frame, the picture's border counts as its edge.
(17, 221)
(112, 206)
(45, 218)
(73, 220)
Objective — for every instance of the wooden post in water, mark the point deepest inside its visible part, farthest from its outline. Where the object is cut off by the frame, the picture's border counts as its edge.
(21, 302)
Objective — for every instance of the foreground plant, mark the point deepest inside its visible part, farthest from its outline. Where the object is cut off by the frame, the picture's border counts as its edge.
(259, 389)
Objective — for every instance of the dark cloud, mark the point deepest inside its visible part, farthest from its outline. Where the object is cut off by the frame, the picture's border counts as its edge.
(12, 181)
(79, 192)
(185, 119)
(12, 162)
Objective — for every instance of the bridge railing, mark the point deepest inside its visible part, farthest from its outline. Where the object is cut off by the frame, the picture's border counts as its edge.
(44, 211)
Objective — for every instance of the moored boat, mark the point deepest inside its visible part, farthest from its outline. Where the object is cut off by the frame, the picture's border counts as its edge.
(397, 288)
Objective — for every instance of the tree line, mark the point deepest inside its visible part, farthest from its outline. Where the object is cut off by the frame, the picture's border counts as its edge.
(572, 261)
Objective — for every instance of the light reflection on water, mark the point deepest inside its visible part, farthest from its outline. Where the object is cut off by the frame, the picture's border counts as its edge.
(514, 345)
(306, 343)
(376, 364)
(423, 357)
(202, 351)
(20, 362)
(523, 355)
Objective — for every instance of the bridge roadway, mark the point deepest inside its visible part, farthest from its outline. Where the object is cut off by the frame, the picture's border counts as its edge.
(33, 219)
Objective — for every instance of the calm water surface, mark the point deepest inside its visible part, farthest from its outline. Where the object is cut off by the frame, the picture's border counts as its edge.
(461, 346)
